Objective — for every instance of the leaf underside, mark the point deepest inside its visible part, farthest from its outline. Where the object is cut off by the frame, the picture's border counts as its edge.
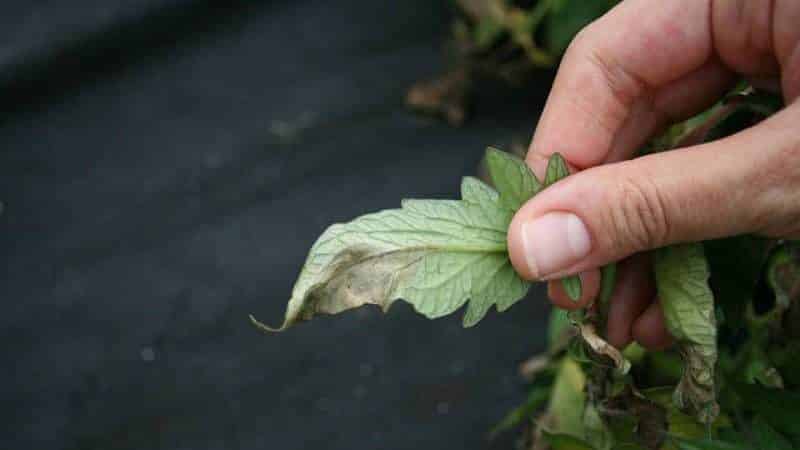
(437, 255)
(687, 301)
(434, 254)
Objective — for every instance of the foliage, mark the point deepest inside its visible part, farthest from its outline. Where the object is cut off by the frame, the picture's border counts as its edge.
(731, 382)
(435, 254)
(730, 304)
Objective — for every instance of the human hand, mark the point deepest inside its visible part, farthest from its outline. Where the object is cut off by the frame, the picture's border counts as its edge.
(642, 66)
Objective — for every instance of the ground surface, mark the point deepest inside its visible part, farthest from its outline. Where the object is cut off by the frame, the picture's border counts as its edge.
(165, 166)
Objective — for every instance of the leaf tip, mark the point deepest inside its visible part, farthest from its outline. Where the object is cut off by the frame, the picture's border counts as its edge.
(265, 328)
(573, 288)
(494, 151)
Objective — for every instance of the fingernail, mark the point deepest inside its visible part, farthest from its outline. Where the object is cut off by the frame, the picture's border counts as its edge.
(554, 242)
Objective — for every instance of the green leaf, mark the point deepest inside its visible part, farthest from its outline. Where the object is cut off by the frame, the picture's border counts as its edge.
(556, 169)
(608, 277)
(572, 286)
(681, 273)
(767, 438)
(567, 17)
(560, 441)
(434, 254)
(567, 400)
(558, 329)
(517, 184)
(597, 431)
(512, 178)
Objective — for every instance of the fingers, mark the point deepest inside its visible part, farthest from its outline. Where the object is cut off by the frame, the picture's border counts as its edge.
(650, 331)
(640, 67)
(633, 293)
(745, 183)
(617, 81)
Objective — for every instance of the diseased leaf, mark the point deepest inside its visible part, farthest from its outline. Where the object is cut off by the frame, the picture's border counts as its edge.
(681, 273)
(512, 178)
(602, 348)
(635, 419)
(681, 425)
(434, 254)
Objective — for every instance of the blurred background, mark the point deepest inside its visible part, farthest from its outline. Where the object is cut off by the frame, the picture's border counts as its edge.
(165, 166)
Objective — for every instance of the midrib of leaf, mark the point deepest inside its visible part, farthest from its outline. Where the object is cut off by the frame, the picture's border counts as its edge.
(412, 231)
(441, 248)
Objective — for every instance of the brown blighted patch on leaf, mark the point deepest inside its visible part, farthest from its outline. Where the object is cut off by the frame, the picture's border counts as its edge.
(602, 350)
(437, 255)
(681, 273)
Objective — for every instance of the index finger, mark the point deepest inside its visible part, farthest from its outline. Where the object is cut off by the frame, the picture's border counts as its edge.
(640, 66)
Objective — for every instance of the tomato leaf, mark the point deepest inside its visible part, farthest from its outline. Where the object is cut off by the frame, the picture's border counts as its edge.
(681, 273)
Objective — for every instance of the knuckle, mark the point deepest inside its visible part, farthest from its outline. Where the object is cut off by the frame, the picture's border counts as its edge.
(639, 217)
(584, 39)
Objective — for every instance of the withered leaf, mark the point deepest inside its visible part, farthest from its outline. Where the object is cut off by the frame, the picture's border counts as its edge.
(681, 273)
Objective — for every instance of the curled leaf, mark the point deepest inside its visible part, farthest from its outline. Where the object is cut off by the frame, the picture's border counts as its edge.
(602, 348)
(434, 254)
(681, 273)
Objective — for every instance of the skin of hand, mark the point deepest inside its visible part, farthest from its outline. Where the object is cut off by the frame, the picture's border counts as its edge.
(642, 66)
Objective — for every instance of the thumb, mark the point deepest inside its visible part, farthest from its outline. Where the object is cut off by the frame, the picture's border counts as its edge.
(748, 182)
